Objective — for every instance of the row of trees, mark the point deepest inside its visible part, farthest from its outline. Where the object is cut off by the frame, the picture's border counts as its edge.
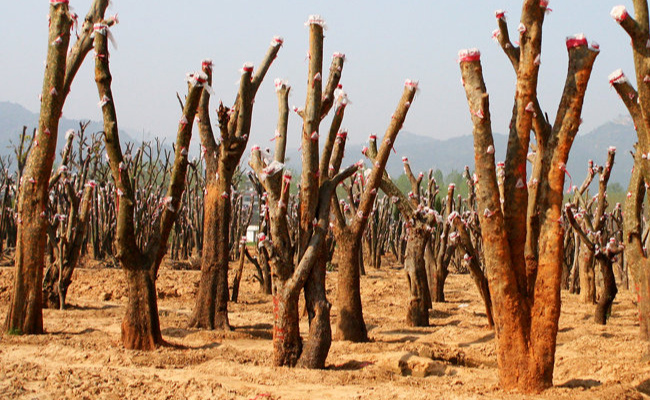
(511, 231)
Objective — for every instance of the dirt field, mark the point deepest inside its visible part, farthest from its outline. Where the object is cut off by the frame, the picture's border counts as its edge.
(80, 357)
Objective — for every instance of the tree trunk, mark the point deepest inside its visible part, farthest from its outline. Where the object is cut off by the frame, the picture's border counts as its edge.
(204, 309)
(318, 309)
(25, 314)
(140, 326)
(574, 276)
(350, 325)
(643, 300)
(419, 302)
(587, 275)
(437, 275)
(604, 307)
(211, 308)
(287, 343)
(238, 274)
(266, 273)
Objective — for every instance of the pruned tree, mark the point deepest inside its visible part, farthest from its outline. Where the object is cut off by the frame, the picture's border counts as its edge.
(523, 236)
(441, 247)
(25, 313)
(418, 224)
(604, 255)
(222, 157)
(141, 326)
(592, 225)
(68, 217)
(578, 199)
(316, 190)
(349, 232)
(637, 102)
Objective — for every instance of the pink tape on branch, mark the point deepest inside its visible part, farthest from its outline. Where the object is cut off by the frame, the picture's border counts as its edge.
(316, 20)
(372, 137)
(576, 40)
(248, 67)
(57, 2)
(411, 84)
(468, 55)
(500, 14)
(206, 64)
(619, 13)
(277, 41)
(617, 77)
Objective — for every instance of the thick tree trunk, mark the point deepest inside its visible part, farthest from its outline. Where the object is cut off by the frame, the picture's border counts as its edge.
(266, 273)
(223, 211)
(643, 300)
(25, 314)
(211, 308)
(140, 326)
(419, 302)
(238, 274)
(204, 309)
(587, 275)
(318, 308)
(439, 277)
(604, 307)
(287, 343)
(320, 337)
(350, 325)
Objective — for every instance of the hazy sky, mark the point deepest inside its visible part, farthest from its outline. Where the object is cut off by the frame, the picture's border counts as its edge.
(385, 43)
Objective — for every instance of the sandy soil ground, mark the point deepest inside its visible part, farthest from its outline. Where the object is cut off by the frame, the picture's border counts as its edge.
(80, 356)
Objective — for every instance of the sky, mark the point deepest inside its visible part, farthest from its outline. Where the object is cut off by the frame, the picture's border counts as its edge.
(385, 43)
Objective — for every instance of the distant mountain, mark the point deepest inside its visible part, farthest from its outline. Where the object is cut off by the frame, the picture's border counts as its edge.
(453, 154)
(593, 145)
(423, 152)
(14, 116)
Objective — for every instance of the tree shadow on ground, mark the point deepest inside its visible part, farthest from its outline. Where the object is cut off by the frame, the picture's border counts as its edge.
(351, 365)
(178, 333)
(580, 383)
(483, 339)
(258, 331)
(89, 308)
(439, 314)
(84, 332)
(644, 387)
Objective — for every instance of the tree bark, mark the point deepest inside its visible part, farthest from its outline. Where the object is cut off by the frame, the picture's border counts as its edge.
(25, 315)
(238, 273)
(350, 325)
(523, 239)
(141, 326)
(587, 275)
(318, 309)
(287, 343)
(418, 312)
(203, 315)
(604, 306)
(437, 275)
